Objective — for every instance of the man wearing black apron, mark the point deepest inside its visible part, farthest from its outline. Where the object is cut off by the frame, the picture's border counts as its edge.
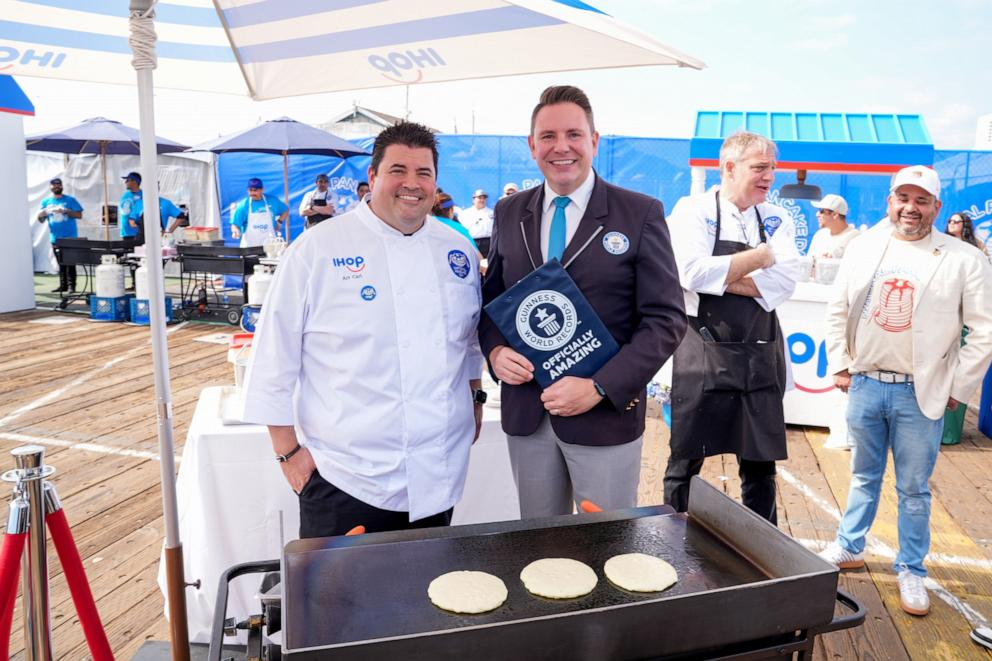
(737, 262)
(318, 204)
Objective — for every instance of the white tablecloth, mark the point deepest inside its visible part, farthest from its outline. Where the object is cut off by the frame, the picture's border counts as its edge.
(231, 492)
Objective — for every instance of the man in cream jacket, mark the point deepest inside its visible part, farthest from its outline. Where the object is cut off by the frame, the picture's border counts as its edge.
(893, 334)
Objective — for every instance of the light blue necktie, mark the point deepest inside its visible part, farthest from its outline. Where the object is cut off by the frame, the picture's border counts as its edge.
(556, 239)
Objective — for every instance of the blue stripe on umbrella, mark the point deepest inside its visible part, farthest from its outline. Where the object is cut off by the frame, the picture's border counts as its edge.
(420, 30)
(267, 11)
(63, 38)
(165, 13)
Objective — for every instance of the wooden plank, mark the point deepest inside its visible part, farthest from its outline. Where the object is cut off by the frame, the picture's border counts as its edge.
(944, 633)
(878, 632)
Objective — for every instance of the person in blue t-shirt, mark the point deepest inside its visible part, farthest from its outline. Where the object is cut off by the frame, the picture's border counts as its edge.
(61, 211)
(166, 210)
(127, 225)
(258, 216)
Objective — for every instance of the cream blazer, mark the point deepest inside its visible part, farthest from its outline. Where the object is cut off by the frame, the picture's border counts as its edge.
(955, 290)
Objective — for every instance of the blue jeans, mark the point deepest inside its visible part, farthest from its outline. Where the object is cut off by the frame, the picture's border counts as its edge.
(880, 416)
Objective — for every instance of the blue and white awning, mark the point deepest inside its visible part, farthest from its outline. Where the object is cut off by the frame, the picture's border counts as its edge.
(277, 48)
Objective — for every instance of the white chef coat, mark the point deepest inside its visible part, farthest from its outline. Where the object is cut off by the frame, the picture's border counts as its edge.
(375, 333)
(693, 229)
(578, 201)
(479, 222)
(328, 196)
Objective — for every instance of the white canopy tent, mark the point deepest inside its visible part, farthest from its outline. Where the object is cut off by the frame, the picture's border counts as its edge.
(183, 178)
(295, 48)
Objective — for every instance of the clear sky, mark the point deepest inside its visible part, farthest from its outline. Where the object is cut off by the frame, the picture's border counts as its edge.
(907, 56)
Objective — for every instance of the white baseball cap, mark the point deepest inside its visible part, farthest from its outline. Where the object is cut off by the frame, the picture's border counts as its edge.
(918, 175)
(832, 203)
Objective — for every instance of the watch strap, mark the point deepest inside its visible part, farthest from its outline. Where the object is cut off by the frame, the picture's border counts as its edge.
(599, 389)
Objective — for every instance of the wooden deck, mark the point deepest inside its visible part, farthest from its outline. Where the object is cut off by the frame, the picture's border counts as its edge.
(85, 391)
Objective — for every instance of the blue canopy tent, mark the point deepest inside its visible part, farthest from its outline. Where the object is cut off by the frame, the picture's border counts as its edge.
(283, 136)
(101, 136)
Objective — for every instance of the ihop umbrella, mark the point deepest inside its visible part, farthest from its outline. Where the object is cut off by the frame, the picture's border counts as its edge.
(98, 136)
(283, 136)
(273, 49)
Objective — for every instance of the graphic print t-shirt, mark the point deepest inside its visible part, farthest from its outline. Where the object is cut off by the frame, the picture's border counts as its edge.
(884, 339)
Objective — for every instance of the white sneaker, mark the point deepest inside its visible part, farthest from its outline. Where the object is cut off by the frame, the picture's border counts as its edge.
(913, 594)
(982, 636)
(837, 442)
(844, 559)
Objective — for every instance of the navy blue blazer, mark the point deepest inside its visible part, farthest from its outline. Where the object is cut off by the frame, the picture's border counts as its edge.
(636, 294)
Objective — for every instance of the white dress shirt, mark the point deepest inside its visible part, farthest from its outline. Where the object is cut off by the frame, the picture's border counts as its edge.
(579, 200)
(367, 342)
(479, 222)
(693, 228)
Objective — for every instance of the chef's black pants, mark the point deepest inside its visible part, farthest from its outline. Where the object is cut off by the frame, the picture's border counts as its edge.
(326, 511)
(67, 272)
(757, 485)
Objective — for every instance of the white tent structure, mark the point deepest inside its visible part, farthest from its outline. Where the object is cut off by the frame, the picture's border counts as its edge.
(187, 179)
(274, 48)
(17, 292)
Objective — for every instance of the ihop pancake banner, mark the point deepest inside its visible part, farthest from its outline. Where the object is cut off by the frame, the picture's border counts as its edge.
(547, 319)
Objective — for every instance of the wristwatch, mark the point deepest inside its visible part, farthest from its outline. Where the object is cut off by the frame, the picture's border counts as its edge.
(599, 389)
(479, 396)
(283, 458)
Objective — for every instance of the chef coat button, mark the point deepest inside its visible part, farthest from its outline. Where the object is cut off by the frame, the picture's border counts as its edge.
(433, 290)
(437, 343)
(399, 292)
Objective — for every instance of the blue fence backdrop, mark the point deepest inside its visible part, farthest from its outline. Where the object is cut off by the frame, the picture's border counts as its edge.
(654, 166)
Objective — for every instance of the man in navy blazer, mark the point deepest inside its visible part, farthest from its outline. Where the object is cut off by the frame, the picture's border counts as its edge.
(580, 439)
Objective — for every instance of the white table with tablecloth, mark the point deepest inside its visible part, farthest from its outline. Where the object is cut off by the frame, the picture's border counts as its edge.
(231, 494)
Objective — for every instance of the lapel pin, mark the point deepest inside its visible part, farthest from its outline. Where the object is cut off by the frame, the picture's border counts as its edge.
(936, 251)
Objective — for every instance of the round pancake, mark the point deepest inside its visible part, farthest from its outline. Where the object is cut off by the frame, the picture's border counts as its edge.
(558, 578)
(639, 572)
(467, 592)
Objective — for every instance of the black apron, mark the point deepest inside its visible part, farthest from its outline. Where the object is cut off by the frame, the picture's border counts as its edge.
(317, 217)
(728, 376)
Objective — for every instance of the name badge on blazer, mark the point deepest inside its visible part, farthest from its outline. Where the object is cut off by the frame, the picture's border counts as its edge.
(547, 319)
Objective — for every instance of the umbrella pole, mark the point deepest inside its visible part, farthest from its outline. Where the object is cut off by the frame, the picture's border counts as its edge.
(106, 192)
(143, 44)
(285, 183)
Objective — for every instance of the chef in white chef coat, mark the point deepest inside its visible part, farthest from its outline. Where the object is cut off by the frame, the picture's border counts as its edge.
(366, 365)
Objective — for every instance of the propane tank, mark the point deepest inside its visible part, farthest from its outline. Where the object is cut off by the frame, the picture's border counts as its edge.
(258, 284)
(141, 281)
(109, 278)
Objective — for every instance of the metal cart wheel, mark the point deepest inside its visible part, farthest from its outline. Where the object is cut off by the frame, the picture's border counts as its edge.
(233, 317)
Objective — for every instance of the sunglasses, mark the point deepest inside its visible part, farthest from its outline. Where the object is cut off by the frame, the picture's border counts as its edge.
(954, 222)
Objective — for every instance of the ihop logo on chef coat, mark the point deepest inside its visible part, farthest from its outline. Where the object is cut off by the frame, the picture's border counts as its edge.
(407, 66)
(354, 264)
(809, 363)
(459, 264)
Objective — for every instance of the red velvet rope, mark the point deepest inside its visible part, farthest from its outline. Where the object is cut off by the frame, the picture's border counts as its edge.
(10, 571)
(79, 588)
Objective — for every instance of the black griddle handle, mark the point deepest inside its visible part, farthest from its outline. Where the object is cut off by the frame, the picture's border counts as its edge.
(220, 606)
(856, 618)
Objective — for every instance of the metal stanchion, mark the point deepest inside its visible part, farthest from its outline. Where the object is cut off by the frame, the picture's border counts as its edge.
(30, 470)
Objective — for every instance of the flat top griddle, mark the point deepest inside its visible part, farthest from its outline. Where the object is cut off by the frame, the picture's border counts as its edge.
(344, 594)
